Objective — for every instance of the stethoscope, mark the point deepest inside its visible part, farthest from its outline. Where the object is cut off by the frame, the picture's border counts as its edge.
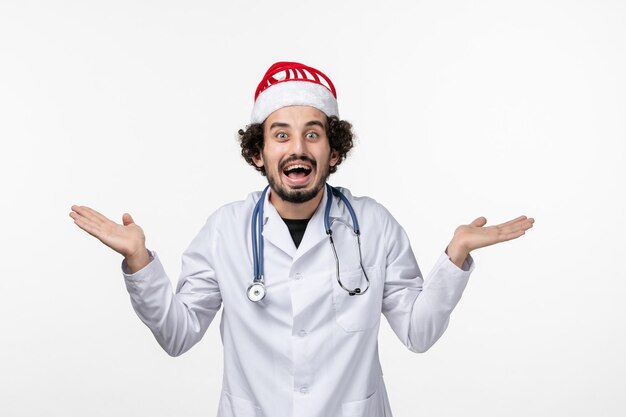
(256, 291)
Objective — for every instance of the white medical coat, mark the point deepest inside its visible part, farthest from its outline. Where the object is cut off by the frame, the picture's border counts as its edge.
(309, 349)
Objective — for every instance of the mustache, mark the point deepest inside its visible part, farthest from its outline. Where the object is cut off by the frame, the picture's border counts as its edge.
(302, 158)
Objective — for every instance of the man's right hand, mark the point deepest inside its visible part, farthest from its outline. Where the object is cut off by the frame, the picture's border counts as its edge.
(127, 239)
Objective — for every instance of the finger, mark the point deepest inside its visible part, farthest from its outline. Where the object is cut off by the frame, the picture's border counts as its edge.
(74, 214)
(479, 222)
(523, 224)
(96, 215)
(127, 219)
(82, 219)
(514, 231)
(86, 212)
(528, 223)
(79, 210)
(515, 220)
(87, 225)
(515, 224)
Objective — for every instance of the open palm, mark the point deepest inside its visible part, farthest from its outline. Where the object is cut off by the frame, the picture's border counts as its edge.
(127, 238)
(475, 235)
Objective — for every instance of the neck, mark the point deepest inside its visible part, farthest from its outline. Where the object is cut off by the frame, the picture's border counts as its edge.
(296, 211)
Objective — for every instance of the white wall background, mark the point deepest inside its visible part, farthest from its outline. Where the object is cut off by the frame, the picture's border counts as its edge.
(462, 109)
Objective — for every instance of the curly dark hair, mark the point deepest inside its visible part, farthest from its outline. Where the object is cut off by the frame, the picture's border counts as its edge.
(339, 134)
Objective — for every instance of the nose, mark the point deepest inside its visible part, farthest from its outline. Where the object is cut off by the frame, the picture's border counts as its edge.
(298, 145)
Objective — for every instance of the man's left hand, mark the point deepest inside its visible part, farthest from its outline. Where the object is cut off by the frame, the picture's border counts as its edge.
(472, 236)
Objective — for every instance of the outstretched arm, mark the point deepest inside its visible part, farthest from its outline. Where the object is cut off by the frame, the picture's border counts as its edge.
(127, 238)
(419, 310)
(472, 236)
(179, 320)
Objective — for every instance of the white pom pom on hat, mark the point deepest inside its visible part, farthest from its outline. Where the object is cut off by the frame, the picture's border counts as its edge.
(293, 84)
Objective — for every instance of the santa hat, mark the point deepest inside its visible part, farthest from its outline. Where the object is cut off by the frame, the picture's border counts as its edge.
(293, 84)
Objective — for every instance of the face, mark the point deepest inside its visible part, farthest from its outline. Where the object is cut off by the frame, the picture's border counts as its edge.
(296, 153)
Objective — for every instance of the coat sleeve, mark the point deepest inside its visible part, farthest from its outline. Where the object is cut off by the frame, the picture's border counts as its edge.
(178, 320)
(417, 310)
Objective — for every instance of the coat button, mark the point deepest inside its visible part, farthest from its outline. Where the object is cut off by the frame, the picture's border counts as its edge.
(298, 276)
(304, 390)
(302, 333)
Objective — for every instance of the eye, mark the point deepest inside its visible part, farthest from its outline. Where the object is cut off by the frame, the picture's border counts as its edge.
(312, 135)
(281, 135)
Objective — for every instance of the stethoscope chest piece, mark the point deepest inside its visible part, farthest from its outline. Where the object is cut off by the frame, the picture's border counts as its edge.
(256, 291)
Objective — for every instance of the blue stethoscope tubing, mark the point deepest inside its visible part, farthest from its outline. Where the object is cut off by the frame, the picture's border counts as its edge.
(256, 291)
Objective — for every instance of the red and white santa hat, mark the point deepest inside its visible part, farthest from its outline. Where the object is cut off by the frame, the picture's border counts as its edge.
(293, 84)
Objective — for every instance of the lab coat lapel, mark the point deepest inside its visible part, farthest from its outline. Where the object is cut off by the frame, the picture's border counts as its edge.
(315, 230)
(275, 230)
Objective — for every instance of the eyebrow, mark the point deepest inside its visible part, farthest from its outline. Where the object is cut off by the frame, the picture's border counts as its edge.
(314, 123)
(278, 124)
(307, 124)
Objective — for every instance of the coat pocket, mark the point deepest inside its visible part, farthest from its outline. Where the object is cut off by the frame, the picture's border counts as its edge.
(356, 313)
(231, 406)
(369, 407)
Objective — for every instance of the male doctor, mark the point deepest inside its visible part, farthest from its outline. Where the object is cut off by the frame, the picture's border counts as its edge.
(302, 271)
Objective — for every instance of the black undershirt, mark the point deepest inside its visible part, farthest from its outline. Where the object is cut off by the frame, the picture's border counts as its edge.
(296, 229)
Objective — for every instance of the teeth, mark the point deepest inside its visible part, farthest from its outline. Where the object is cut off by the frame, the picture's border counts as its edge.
(290, 167)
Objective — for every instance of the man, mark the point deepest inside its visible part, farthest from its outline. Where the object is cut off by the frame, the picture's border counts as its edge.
(300, 339)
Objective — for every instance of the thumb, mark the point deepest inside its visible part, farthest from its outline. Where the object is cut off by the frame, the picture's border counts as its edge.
(479, 222)
(127, 219)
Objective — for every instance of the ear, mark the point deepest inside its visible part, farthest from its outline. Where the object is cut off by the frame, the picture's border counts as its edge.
(334, 158)
(258, 160)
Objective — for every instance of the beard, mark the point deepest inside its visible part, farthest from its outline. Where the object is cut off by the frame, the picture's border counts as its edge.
(295, 195)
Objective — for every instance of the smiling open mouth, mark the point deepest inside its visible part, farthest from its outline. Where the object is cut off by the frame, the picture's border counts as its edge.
(297, 171)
